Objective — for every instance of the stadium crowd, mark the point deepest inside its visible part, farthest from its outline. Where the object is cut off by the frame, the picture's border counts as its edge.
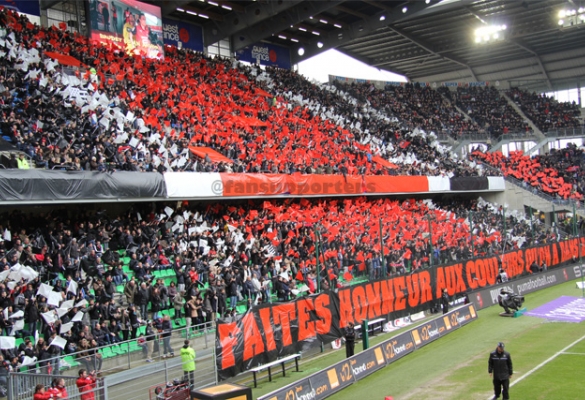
(558, 173)
(547, 113)
(489, 109)
(417, 106)
(219, 257)
(146, 115)
(129, 116)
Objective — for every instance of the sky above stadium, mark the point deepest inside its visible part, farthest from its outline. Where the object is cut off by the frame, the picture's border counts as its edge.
(333, 62)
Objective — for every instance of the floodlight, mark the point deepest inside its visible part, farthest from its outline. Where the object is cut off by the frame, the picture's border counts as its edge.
(319, 44)
(562, 14)
(427, 1)
(404, 10)
(561, 22)
(301, 51)
(382, 18)
(489, 32)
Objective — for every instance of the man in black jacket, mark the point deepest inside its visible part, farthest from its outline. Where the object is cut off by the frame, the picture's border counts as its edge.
(349, 334)
(500, 369)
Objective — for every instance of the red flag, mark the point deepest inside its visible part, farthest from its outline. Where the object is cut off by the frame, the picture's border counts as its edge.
(300, 276)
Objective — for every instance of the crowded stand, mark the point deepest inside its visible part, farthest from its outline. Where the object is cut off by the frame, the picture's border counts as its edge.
(547, 113)
(411, 152)
(489, 109)
(181, 266)
(558, 173)
(147, 115)
(201, 261)
(418, 106)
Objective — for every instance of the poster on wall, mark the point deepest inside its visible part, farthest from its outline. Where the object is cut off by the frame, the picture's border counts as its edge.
(266, 54)
(182, 35)
(128, 24)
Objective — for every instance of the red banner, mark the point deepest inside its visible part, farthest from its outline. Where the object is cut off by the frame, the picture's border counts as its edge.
(274, 330)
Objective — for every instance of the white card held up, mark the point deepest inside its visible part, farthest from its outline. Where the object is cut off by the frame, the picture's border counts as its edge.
(45, 290)
(77, 317)
(65, 327)
(54, 299)
(59, 342)
(49, 317)
(7, 342)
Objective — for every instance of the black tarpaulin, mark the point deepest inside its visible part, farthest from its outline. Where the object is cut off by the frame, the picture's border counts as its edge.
(469, 183)
(29, 185)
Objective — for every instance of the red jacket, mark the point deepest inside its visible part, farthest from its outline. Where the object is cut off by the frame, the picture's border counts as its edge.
(86, 386)
(57, 390)
(43, 396)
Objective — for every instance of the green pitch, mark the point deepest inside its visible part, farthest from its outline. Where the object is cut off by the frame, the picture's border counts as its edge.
(455, 367)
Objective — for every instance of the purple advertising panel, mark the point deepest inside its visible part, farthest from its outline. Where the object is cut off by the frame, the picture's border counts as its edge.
(182, 35)
(266, 54)
(26, 7)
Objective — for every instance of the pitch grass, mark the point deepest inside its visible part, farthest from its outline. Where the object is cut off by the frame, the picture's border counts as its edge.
(455, 367)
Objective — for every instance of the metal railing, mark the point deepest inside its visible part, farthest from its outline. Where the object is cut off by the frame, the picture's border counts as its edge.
(565, 132)
(22, 386)
(126, 354)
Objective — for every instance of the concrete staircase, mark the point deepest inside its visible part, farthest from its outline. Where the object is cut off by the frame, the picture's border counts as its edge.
(516, 107)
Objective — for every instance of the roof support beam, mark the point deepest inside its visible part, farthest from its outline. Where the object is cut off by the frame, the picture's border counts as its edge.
(428, 48)
(535, 54)
(244, 24)
(357, 30)
(289, 17)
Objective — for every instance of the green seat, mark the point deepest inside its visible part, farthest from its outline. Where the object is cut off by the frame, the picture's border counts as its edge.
(107, 352)
(121, 348)
(134, 347)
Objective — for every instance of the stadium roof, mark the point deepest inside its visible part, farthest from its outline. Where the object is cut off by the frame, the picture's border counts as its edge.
(427, 41)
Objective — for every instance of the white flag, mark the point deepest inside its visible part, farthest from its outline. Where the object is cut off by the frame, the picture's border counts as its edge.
(59, 342)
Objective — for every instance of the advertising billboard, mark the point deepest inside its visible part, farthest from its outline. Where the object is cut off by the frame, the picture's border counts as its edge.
(30, 8)
(182, 35)
(128, 24)
(25, 7)
(266, 54)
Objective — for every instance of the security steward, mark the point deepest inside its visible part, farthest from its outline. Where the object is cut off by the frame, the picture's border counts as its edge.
(500, 370)
(349, 340)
